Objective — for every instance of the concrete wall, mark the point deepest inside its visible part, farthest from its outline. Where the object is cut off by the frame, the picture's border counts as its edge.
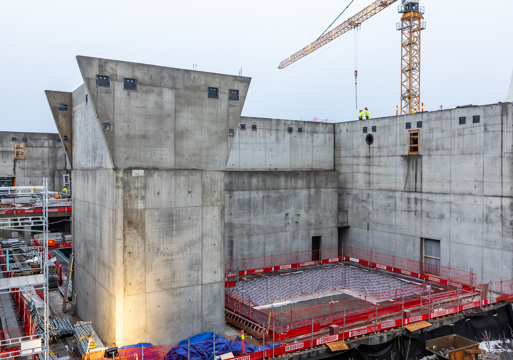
(457, 190)
(269, 213)
(150, 167)
(271, 147)
(44, 157)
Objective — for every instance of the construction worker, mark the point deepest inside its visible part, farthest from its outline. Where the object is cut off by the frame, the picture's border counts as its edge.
(366, 113)
(360, 116)
(64, 190)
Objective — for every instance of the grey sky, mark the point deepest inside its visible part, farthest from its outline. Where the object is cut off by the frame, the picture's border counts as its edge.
(467, 57)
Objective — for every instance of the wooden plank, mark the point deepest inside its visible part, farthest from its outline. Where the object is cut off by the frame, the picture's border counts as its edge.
(337, 346)
(417, 326)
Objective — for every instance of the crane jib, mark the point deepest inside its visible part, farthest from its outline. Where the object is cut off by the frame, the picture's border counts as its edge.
(347, 25)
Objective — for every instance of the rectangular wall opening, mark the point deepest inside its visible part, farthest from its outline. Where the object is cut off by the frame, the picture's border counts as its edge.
(413, 142)
(431, 256)
(7, 181)
(316, 247)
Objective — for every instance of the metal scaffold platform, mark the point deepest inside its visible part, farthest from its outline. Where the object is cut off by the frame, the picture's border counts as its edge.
(13, 284)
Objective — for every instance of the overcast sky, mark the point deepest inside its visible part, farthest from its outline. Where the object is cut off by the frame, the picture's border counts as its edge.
(467, 56)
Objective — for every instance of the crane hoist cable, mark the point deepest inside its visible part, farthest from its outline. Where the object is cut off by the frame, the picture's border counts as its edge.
(356, 66)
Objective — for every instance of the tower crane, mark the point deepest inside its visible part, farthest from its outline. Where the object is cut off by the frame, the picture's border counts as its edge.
(410, 26)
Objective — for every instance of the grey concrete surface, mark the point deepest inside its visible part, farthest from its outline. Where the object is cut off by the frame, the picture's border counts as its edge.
(62, 118)
(164, 193)
(267, 145)
(457, 190)
(270, 213)
(44, 157)
(148, 169)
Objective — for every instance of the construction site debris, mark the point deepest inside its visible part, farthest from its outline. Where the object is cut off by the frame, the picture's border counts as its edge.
(57, 327)
(86, 338)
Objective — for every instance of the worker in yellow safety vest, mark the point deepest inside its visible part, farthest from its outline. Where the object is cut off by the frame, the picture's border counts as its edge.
(366, 113)
(360, 116)
(64, 190)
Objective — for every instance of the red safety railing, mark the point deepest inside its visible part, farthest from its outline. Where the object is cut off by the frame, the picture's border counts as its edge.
(356, 322)
(419, 269)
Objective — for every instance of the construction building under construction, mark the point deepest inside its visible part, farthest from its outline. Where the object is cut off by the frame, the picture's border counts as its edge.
(176, 197)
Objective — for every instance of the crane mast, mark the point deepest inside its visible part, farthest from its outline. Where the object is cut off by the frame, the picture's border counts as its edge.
(410, 26)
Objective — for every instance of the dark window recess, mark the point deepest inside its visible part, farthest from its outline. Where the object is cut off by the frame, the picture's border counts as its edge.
(102, 81)
(365, 129)
(106, 126)
(213, 92)
(24, 139)
(476, 119)
(290, 130)
(316, 248)
(419, 124)
(65, 139)
(253, 127)
(243, 126)
(463, 120)
(231, 132)
(234, 95)
(87, 98)
(299, 130)
(59, 141)
(374, 129)
(62, 107)
(130, 84)
(408, 125)
(14, 138)
(369, 139)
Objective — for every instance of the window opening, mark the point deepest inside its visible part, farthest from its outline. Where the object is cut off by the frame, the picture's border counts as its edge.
(7, 181)
(365, 129)
(413, 144)
(130, 84)
(431, 256)
(102, 81)
(61, 107)
(290, 130)
(253, 127)
(243, 126)
(369, 139)
(408, 125)
(213, 92)
(476, 119)
(419, 124)
(463, 120)
(19, 151)
(233, 95)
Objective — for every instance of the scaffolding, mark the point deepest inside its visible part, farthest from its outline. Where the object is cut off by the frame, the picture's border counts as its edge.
(32, 343)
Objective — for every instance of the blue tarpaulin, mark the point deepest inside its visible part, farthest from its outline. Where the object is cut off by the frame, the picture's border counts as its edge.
(140, 345)
(202, 348)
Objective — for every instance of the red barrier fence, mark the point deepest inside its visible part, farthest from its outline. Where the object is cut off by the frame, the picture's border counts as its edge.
(378, 312)
(418, 269)
(376, 318)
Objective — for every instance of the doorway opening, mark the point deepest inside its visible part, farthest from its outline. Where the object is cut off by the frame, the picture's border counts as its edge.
(316, 248)
(431, 256)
